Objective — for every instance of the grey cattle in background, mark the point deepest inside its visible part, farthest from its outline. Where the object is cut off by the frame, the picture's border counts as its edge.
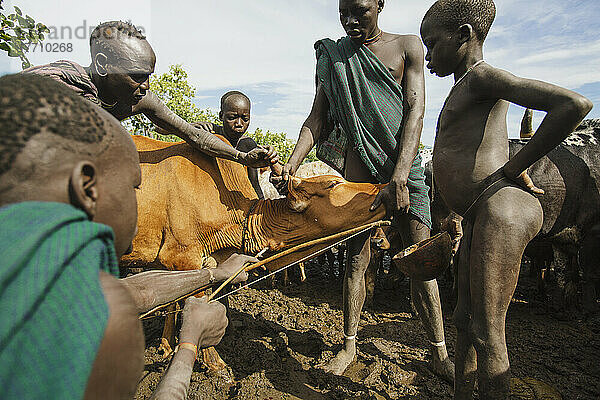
(570, 177)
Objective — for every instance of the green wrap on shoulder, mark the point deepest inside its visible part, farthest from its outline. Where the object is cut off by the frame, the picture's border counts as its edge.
(52, 310)
(365, 112)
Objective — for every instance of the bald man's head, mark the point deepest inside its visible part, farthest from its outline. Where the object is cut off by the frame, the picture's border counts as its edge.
(122, 62)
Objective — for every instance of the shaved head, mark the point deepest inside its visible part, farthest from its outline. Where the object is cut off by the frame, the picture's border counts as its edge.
(109, 37)
(451, 14)
(233, 96)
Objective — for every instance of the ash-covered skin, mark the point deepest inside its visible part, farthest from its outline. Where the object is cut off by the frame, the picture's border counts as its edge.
(476, 179)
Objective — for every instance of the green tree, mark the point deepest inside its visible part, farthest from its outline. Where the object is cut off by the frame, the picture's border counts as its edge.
(280, 141)
(18, 32)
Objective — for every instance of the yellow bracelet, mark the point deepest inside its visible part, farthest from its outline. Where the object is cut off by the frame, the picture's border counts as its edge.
(189, 346)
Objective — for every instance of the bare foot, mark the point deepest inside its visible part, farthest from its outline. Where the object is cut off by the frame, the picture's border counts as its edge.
(443, 368)
(340, 362)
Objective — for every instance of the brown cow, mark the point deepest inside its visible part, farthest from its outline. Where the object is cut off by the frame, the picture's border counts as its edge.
(192, 207)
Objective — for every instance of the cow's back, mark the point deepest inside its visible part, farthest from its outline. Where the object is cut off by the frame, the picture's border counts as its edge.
(186, 204)
(570, 177)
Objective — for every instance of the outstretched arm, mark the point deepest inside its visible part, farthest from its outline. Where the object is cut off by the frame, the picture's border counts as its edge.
(565, 110)
(153, 288)
(247, 144)
(201, 139)
(395, 194)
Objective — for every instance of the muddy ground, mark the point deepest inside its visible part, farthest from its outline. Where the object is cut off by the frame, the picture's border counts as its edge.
(278, 338)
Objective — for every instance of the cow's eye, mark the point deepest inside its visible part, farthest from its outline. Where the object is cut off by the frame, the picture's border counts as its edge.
(332, 184)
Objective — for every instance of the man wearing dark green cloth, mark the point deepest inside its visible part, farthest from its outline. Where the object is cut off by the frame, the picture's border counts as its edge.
(366, 121)
(69, 329)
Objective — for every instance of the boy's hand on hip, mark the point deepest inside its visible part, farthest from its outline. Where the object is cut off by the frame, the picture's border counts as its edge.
(524, 180)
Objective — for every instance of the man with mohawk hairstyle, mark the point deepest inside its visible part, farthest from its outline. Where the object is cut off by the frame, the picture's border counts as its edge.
(118, 80)
(475, 178)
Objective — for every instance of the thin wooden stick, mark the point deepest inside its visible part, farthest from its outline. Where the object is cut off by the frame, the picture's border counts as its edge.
(294, 249)
(250, 267)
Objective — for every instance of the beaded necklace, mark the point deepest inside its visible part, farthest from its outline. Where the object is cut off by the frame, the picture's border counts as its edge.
(373, 39)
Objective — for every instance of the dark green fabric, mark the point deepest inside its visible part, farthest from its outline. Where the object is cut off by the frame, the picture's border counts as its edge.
(52, 310)
(366, 112)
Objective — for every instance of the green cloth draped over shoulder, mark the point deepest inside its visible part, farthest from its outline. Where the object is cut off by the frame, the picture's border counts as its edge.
(52, 310)
(365, 112)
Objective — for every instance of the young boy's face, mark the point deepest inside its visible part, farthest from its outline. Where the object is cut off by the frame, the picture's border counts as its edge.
(119, 176)
(442, 57)
(236, 115)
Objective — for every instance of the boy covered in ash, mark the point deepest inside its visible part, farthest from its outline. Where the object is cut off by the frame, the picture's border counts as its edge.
(476, 179)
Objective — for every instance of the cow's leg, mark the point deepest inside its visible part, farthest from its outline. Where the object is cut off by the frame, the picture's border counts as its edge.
(286, 277)
(302, 272)
(371, 276)
(590, 278)
(426, 299)
(330, 259)
(571, 285)
(555, 282)
(341, 258)
(167, 340)
(504, 224)
(465, 359)
(358, 249)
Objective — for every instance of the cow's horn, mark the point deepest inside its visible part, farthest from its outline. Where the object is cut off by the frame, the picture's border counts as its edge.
(527, 124)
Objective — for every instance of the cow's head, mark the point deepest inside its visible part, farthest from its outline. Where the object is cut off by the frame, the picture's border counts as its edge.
(326, 204)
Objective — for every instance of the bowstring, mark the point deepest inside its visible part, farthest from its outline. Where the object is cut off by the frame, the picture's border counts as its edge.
(308, 257)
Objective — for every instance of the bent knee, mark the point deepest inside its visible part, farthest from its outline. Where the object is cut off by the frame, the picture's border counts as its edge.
(486, 337)
(358, 264)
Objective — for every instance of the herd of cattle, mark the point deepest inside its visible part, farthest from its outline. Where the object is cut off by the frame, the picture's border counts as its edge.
(195, 210)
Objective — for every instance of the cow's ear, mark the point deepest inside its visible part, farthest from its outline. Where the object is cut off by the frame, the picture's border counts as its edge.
(296, 198)
(83, 187)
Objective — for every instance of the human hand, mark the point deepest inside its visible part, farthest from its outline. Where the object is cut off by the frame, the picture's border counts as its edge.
(203, 323)
(230, 266)
(280, 181)
(395, 197)
(261, 156)
(524, 180)
(453, 225)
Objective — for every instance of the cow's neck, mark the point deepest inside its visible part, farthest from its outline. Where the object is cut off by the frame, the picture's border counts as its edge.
(273, 224)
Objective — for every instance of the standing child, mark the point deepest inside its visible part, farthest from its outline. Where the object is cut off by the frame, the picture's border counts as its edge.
(477, 180)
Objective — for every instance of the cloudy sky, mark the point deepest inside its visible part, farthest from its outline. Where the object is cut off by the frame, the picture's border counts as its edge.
(265, 47)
